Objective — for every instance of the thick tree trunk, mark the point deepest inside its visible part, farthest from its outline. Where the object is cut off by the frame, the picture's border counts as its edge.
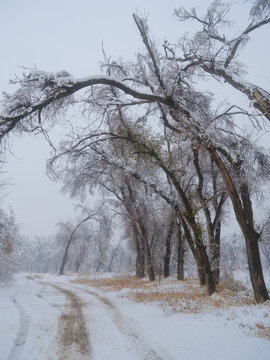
(180, 253)
(210, 283)
(215, 253)
(255, 267)
(194, 250)
(252, 246)
(201, 273)
(204, 260)
(215, 258)
(147, 253)
(139, 231)
(244, 214)
(167, 256)
(214, 250)
(140, 268)
(140, 263)
(140, 260)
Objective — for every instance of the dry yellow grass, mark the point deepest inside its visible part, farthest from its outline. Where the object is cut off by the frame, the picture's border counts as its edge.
(185, 296)
(117, 284)
(263, 331)
(192, 300)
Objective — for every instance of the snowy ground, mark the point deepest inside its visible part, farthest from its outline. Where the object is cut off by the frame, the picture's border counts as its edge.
(51, 317)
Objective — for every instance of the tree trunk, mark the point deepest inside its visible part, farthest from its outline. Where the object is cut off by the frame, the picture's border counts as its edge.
(167, 256)
(201, 273)
(194, 250)
(140, 267)
(215, 253)
(180, 253)
(77, 266)
(65, 257)
(210, 283)
(244, 214)
(204, 260)
(139, 231)
(147, 253)
(255, 267)
(215, 258)
(64, 260)
(252, 245)
(140, 262)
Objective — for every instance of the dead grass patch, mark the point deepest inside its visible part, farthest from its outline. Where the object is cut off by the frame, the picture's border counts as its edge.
(186, 296)
(117, 284)
(190, 299)
(262, 330)
(229, 283)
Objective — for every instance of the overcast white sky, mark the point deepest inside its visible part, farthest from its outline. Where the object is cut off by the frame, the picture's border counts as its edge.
(67, 35)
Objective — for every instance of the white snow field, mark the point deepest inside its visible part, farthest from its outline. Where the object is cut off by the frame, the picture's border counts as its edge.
(49, 317)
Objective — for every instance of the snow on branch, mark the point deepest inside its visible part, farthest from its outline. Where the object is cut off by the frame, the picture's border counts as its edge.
(39, 90)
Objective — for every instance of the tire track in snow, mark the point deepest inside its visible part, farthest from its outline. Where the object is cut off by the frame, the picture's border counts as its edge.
(74, 338)
(131, 331)
(21, 335)
(45, 295)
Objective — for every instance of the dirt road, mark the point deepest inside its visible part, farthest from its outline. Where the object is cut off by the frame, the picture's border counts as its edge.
(65, 321)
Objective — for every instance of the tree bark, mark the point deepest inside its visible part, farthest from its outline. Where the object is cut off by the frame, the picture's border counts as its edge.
(77, 266)
(65, 257)
(215, 253)
(194, 250)
(140, 262)
(180, 253)
(147, 253)
(167, 256)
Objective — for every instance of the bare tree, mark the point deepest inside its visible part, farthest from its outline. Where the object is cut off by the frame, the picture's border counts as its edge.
(70, 239)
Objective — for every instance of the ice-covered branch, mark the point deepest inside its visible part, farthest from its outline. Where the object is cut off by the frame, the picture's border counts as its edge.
(51, 89)
(260, 97)
(237, 43)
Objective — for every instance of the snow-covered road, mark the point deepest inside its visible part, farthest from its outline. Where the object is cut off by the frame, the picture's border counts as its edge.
(61, 321)
(46, 317)
(123, 337)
